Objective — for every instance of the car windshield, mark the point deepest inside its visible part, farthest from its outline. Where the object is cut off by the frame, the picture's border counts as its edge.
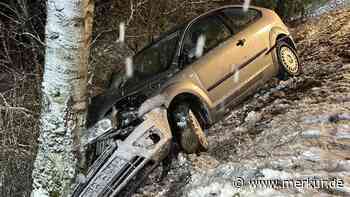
(157, 57)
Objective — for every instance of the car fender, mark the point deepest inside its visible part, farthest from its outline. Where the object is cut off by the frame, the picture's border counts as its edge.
(177, 88)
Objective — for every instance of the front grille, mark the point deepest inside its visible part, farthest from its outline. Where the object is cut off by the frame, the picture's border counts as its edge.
(123, 175)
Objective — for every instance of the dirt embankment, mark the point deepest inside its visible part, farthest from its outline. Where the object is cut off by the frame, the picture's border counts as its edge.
(293, 129)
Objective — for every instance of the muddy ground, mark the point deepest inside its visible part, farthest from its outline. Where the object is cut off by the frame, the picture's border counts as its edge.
(288, 129)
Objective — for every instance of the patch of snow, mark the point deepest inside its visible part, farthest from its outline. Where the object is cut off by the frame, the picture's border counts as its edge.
(343, 135)
(213, 189)
(81, 178)
(275, 174)
(316, 119)
(312, 134)
(39, 193)
(313, 154)
(329, 6)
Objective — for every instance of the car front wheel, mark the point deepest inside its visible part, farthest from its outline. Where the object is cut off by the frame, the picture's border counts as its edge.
(189, 131)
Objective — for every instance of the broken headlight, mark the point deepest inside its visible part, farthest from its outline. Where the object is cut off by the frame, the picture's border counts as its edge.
(99, 128)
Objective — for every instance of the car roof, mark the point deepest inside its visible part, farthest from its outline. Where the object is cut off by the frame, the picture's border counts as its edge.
(222, 8)
(183, 26)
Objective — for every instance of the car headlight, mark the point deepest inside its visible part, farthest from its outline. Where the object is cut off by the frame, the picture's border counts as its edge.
(99, 128)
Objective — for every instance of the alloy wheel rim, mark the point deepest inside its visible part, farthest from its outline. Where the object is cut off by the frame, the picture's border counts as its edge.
(198, 131)
(289, 59)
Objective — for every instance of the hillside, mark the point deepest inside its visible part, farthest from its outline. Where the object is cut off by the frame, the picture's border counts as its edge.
(288, 130)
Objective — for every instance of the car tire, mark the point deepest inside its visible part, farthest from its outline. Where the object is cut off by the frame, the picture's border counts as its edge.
(288, 61)
(189, 132)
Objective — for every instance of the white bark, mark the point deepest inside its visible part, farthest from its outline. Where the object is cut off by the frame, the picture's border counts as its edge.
(68, 34)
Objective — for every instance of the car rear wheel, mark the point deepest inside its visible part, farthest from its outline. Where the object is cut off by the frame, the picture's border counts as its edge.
(189, 132)
(288, 60)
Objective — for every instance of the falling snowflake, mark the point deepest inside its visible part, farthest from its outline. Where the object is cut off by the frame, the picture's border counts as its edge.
(236, 76)
(222, 107)
(235, 70)
(121, 32)
(129, 67)
(200, 46)
(246, 5)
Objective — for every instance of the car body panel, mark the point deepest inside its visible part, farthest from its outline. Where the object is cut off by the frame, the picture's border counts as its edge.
(213, 77)
(254, 63)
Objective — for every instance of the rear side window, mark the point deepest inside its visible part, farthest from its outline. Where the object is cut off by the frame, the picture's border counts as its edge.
(238, 19)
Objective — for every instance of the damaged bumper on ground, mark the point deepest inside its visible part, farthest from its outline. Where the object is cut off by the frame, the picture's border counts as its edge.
(122, 160)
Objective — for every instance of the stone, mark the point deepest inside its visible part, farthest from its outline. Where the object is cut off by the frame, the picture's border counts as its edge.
(252, 118)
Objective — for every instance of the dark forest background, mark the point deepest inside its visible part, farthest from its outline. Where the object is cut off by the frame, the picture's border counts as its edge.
(22, 44)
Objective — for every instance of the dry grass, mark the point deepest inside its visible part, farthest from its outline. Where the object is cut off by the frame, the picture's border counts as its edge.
(18, 135)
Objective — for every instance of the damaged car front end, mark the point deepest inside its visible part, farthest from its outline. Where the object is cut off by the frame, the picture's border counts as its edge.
(123, 153)
(128, 127)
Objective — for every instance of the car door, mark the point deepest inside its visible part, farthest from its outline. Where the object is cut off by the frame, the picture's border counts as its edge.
(212, 66)
(248, 50)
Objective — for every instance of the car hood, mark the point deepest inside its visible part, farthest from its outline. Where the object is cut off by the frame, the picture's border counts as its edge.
(132, 87)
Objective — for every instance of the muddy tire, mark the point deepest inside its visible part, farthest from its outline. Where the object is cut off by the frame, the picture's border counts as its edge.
(190, 134)
(288, 61)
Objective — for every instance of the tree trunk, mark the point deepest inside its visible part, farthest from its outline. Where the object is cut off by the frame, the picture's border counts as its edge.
(64, 93)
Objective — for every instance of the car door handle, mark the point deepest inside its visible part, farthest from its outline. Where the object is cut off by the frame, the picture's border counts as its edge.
(241, 42)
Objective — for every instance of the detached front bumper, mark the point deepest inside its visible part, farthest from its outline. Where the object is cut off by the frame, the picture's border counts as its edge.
(121, 161)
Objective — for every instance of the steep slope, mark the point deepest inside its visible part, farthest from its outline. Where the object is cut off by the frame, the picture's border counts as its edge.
(295, 129)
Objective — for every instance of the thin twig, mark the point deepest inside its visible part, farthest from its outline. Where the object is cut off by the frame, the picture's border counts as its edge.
(3, 98)
(20, 109)
(132, 10)
(36, 38)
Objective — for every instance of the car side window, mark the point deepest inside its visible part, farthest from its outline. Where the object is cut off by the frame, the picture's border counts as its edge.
(239, 19)
(214, 31)
(157, 57)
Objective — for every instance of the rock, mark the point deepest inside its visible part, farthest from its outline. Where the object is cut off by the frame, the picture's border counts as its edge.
(241, 129)
(279, 94)
(252, 118)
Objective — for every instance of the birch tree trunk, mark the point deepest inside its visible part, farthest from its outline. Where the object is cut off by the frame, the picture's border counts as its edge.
(64, 93)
